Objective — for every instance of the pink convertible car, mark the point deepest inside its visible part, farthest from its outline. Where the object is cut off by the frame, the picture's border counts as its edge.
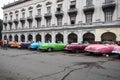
(116, 50)
(100, 48)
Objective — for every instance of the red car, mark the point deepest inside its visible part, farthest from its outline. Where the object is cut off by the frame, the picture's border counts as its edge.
(75, 47)
(1, 42)
(100, 48)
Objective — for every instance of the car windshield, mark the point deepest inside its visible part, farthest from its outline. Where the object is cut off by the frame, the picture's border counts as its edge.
(107, 42)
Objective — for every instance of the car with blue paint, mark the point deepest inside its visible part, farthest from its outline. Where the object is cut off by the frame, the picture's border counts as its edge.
(35, 45)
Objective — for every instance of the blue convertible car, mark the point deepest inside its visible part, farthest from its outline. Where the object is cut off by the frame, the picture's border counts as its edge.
(35, 45)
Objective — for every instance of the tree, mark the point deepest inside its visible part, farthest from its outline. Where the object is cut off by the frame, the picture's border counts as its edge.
(1, 27)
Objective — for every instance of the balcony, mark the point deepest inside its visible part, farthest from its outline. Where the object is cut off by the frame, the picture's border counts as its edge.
(38, 17)
(48, 15)
(22, 19)
(88, 8)
(30, 18)
(5, 22)
(10, 22)
(15, 20)
(66, 26)
(109, 5)
(72, 11)
(59, 1)
(59, 13)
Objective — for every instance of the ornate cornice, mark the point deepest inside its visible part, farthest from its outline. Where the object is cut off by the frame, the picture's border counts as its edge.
(14, 3)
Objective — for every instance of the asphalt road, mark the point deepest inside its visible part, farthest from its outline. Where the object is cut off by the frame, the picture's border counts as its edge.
(18, 64)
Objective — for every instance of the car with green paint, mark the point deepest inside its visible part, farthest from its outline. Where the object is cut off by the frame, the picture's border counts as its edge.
(52, 47)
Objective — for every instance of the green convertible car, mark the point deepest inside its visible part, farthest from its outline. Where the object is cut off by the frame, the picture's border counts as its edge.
(52, 47)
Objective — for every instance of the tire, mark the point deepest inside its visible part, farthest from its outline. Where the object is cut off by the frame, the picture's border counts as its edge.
(77, 51)
(50, 49)
(38, 49)
(119, 56)
(106, 55)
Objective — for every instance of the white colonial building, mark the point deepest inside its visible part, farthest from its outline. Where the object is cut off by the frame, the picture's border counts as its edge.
(62, 20)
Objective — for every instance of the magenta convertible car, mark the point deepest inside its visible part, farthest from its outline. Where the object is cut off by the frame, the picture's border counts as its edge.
(75, 47)
(100, 48)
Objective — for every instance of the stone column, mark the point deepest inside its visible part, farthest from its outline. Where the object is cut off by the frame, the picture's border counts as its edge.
(3, 36)
(19, 40)
(13, 37)
(53, 37)
(26, 37)
(80, 38)
(118, 9)
(34, 39)
(65, 37)
(43, 37)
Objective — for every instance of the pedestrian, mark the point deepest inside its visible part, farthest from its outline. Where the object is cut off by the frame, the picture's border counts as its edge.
(5, 42)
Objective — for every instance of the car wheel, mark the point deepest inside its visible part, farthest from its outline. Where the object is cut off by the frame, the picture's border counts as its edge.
(106, 55)
(38, 49)
(29, 48)
(119, 56)
(77, 50)
(50, 49)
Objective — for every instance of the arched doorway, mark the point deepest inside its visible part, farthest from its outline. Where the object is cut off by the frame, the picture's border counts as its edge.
(30, 37)
(5, 37)
(10, 38)
(38, 37)
(108, 36)
(48, 38)
(89, 37)
(72, 38)
(59, 38)
(22, 38)
(16, 37)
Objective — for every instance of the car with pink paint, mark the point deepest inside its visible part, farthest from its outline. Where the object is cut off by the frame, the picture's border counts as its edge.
(9, 43)
(116, 50)
(100, 48)
(75, 47)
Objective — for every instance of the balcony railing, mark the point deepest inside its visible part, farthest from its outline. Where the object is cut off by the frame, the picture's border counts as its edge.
(59, 0)
(59, 13)
(88, 8)
(15, 20)
(48, 15)
(22, 19)
(81, 25)
(5, 22)
(109, 4)
(38, 17)
(10, 21)
(72, 11)
(30, 18)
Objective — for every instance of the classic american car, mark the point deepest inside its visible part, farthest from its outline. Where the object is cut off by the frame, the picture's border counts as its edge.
(24, 45)
(9, 43)
(35, 45)
(104, 49)
(116, 49)
(1, 42)
(75, 47)
(14, 44)
(52, 47)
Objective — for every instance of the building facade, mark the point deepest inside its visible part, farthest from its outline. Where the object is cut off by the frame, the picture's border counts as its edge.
(62, 20)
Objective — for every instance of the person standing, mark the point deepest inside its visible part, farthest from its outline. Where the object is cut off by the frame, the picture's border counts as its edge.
(5, 42)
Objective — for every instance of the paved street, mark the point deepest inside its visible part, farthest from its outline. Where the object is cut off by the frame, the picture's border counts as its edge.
(18, 64)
